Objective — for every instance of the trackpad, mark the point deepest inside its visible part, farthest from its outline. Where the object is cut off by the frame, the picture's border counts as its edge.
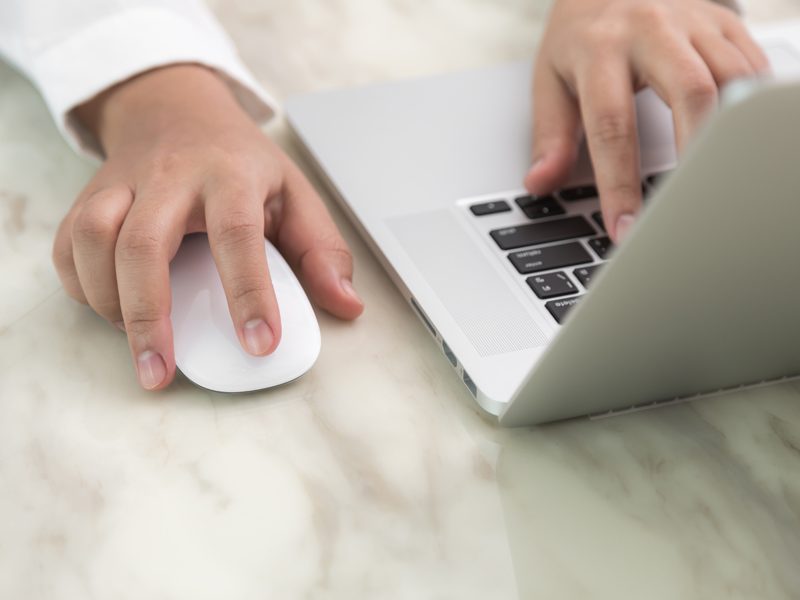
(471, 288)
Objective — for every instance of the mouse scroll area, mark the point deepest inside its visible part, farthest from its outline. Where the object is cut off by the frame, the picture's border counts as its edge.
(207, 349)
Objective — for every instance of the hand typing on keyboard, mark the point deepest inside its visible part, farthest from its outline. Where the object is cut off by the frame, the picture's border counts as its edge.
(595, 54)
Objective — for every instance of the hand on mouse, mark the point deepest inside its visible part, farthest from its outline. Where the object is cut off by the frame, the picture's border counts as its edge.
(595, 54)
(183, 157)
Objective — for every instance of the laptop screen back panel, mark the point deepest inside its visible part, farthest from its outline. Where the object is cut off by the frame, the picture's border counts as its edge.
(705, 294)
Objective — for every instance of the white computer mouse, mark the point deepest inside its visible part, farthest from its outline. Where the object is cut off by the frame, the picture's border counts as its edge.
(207, 349)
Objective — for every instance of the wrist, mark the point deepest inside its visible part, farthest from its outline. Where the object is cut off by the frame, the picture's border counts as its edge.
(150, 102)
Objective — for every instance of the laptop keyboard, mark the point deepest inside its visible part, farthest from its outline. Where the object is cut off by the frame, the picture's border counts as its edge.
(556, 242)
(532, 234)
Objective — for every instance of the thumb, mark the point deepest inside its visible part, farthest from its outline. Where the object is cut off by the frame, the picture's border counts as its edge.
(313, 246)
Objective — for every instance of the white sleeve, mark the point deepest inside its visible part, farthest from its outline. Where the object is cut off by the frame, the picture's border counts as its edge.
(74, 49)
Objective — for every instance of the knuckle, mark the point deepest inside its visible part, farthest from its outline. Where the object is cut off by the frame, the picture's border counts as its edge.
(137, 244)
(234, 173)
(238, 228)
(92, 226)
(340, 253)
(625, 192)
(337, 247)
(245, 288)
(699, 89)
(65, 267)
(728, 19)
(72, 286)
(235, 190)
(233, 164)
(107, 307)
(108, 195)
(611, 128)
(142, 320)
(603, 34)
(62, 256)
(143, 312)
(650, 15)
(165, 163)
(335, 251)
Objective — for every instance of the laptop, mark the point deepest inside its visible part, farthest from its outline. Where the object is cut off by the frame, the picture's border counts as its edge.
(538, 314)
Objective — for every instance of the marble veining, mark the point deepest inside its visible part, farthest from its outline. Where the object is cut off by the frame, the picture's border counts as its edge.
(374, 476)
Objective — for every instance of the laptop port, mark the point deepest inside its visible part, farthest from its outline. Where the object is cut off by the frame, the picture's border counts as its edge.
(423, 316)
(470, 384)
(449, 354)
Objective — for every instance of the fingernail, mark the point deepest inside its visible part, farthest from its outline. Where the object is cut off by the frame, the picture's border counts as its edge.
(348, 288)
(624, 223)
(258, 337)
(152, 369)
(120, 325)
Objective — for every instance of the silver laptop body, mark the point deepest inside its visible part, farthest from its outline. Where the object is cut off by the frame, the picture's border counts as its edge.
(703, 296)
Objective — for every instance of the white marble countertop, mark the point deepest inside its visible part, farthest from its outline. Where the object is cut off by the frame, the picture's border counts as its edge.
(373, 476)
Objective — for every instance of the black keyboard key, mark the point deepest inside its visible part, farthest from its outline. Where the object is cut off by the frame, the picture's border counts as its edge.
(489, 208)
(536, 207)
(552, 285)
(578, 193)
(602, 246)
(656, 178)
(597, 217)
(560, 308)
(653, 181)
(549, 257)
(532, 234)
(524, 201)
(585, 274)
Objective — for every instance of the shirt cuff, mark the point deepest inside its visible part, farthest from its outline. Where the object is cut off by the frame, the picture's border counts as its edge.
(118, 47)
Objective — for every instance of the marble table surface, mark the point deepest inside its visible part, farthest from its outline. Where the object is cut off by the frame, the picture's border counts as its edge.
(374, 476)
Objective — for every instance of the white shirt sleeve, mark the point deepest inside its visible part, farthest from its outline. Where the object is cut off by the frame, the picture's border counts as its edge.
(74, 49)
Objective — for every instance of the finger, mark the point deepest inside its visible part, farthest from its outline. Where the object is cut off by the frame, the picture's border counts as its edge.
(556, 132)
(94, 238)
(313, 246)
(725, 61)
(680, 76)
(737, 33)
(235, 221)
(609, 119)
(63, 259)
(149, 238)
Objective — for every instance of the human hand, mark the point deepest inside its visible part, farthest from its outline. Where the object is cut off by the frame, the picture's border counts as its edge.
(183, 157)
(595, 54)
